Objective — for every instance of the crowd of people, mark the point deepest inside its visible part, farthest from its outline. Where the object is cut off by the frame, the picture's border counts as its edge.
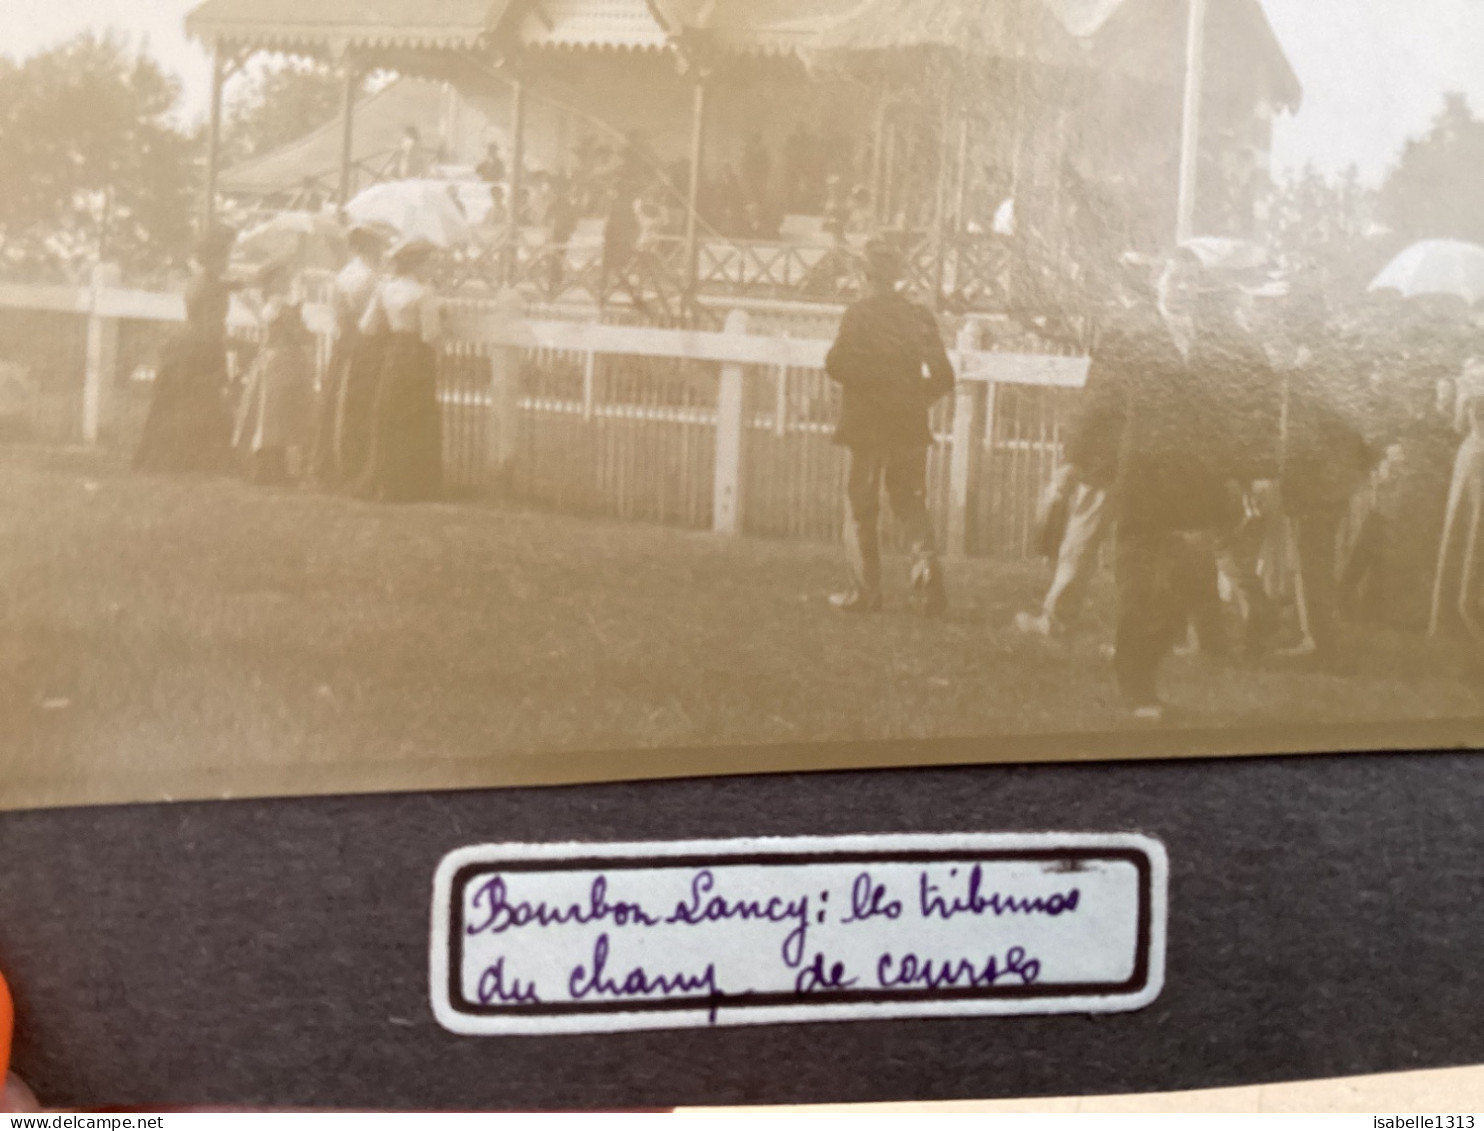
(1212, 437)
(373, 429)
(641, 206)
(640, 200)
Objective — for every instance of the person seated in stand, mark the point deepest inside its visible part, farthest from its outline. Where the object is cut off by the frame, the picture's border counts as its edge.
(861, 213)
(539, 201)
(492, 234)
(836, 208)
(620, 239)
(413, 161)
(757, 171)
(492, 168)
(800, 161)
(649, 210)
(562, 219)
(457, 201)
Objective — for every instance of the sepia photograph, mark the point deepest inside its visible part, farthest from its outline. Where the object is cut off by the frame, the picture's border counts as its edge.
(441, 394)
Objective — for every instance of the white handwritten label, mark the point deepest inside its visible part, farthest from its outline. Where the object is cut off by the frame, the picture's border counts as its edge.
(533, 939)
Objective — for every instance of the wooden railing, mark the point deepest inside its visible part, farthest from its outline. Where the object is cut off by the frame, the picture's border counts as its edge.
(718, 429)
(972, 274)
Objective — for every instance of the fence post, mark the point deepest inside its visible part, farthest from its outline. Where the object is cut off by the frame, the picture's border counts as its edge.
(780, 401)
(726, 512)
(964, 469)
(98, 392)
(589, 384)
(502, 436)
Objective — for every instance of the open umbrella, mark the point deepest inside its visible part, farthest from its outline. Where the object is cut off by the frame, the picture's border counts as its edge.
(418, 210)
(310, 240)
(1436, 267)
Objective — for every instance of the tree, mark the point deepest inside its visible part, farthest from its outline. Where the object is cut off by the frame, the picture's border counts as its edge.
(278, 105)
(94, 169)
(1327, 230)
(1433, 192)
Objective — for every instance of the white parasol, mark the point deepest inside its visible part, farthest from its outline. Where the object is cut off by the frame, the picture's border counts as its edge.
(418, 210)
(1436, 267)
(310, 240)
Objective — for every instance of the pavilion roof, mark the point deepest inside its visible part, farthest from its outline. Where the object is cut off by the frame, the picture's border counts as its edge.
(812, 25)
(625, 25)
(771, 26)
(1144, 38)
(319, 25)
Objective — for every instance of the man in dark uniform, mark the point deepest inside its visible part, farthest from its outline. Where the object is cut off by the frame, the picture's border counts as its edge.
(1200, 409)
(891, 366)
(1326, 459)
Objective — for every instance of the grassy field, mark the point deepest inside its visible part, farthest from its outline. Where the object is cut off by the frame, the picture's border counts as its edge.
(202, 637)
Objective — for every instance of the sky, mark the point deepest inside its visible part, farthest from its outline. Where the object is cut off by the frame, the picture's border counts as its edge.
(1374, 71)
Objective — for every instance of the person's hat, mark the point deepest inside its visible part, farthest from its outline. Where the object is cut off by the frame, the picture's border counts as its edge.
(216, 241)
(885, 262)
(412, 253)
(379, 234)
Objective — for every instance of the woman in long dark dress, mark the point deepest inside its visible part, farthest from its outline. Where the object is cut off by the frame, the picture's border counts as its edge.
(189, 427)
(406, 457)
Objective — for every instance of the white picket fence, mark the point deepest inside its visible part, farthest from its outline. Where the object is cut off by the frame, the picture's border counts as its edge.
(728, 431)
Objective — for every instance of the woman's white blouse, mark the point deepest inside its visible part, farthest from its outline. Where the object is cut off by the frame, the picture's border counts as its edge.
(403, 306)
(354, 288)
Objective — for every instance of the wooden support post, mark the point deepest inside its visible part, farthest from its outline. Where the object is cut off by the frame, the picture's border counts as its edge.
(1190, 126)
(511, 272)
(503, 434)
(589, 383)
(940, 203)
(98, 392)
(350, 85)
(878, 158)
(727, 501)
(780, 398)
(780, 401)
(961, 195)
(886, 214)
(693, 194)
(214, 133)
(969, 415)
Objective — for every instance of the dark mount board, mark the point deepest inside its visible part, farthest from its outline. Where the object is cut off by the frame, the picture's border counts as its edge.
(1326, 919)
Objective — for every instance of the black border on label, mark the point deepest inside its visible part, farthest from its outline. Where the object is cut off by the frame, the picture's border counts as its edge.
(1136, 983)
